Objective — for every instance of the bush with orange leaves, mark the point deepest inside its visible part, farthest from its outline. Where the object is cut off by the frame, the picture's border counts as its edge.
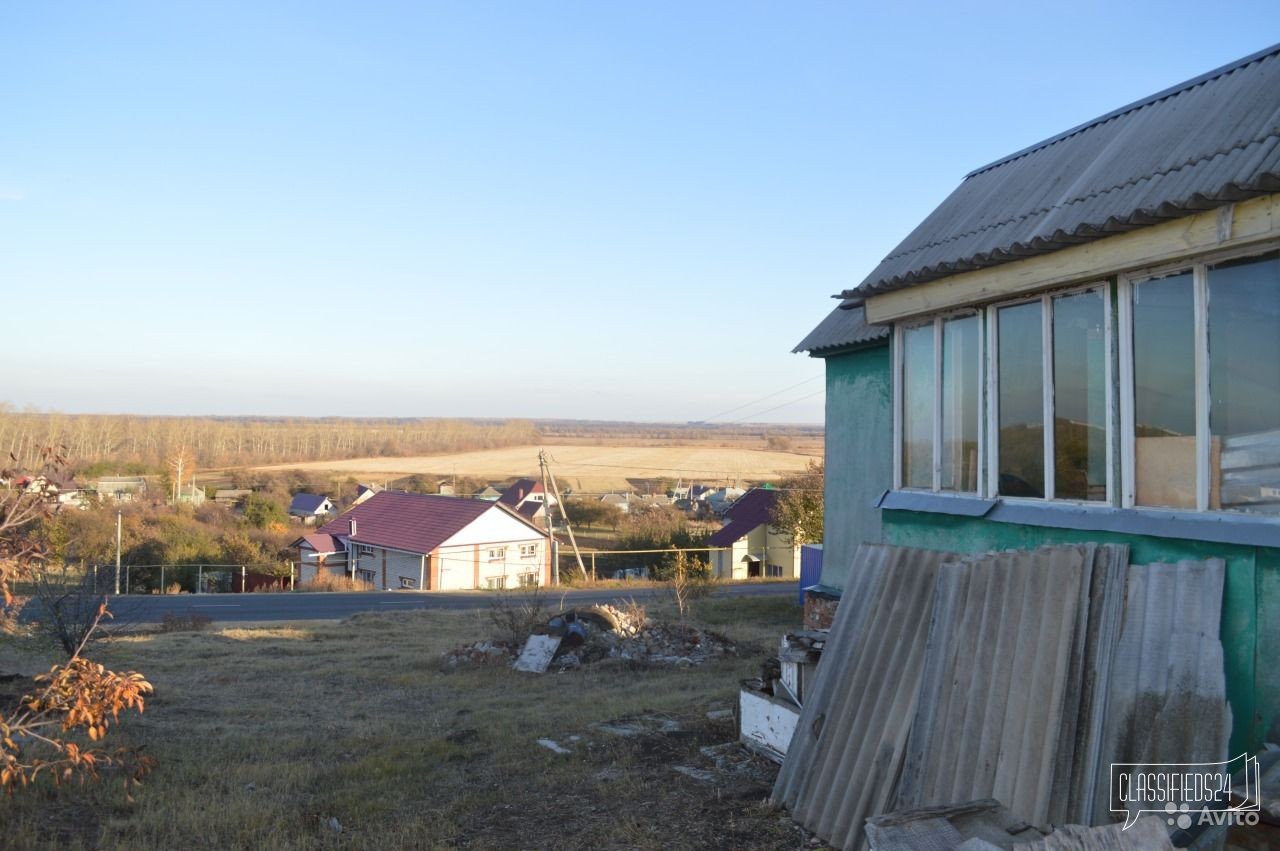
(41, 736)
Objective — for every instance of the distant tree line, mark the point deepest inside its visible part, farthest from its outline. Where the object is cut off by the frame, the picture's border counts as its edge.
(96, 444)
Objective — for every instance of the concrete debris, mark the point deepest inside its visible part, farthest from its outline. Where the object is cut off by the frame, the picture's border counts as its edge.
(699, 774)
(554, 746)
(537, 654)
(334, 825)
(720, 715)
(479, 653)
(1146, 834)
(639, 725)
(983, 824)
(598, 633)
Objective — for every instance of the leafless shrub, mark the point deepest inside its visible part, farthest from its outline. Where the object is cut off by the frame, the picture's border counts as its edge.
(68, 609)
(328, 581)
(515, 613)
(688, 580)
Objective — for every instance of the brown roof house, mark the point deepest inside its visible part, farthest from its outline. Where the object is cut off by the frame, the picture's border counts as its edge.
(427, 542)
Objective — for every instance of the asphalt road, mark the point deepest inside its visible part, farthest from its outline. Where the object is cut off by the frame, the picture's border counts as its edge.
(334, 605)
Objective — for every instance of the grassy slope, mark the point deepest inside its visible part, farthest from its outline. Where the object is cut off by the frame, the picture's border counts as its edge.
(264, 734)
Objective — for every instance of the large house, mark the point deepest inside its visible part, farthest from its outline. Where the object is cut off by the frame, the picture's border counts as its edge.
(429, 542)
(1082, 343)
(748, 545)
(524, 491)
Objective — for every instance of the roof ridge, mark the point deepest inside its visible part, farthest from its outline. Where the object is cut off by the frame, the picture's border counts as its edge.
(1222, 151)
(1179, 88)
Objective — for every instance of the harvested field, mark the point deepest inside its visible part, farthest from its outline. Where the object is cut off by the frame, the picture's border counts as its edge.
(356, 735)
(583, 468)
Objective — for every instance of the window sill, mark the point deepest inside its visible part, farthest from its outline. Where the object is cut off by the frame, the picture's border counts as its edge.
(1238, 529)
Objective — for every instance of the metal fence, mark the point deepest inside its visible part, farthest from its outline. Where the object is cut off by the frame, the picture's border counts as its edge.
(189, 578)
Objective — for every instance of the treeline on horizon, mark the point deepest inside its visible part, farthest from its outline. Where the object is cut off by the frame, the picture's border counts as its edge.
(102, 444)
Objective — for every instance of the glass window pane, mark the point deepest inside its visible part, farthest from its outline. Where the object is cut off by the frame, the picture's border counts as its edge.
(1021, 400)
(960, 404)
(1164, 389)
(1079, 397)
(917, 407)
(1244, 384)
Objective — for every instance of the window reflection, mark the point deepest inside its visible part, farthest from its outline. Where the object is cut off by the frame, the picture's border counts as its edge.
(1021, 400)
(960, 396)
(917, 407)
(1080, 396)
(1164, 380)
(1244, 383)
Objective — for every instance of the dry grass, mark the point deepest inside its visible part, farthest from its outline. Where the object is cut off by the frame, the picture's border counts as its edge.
(264, 734)
(584, 468)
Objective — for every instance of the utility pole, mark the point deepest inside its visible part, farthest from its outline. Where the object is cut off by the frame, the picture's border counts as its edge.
(118, 516)
(546, 513)
(546, 472)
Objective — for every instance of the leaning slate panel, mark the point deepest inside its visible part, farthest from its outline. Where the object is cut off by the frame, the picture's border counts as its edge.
(847, 749)
(1167, 696)
(1009, 705)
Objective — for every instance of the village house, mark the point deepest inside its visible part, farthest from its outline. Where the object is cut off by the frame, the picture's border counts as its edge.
(310, 508)
(231, 497)
(122, 488)
(429, 542)
(525, 491)
(1082, 343)
(489, 494)
(748, 545)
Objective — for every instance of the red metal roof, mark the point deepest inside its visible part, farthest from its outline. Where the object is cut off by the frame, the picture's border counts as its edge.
(413, 522)
(752, 508)
(323, 543)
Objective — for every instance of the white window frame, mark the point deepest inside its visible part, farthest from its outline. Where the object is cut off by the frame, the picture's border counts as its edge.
(495, 583)
(992, 362)
(408, 582)
(497, 553)
(1198, 266)
(529, 580)
(899, 382)
(528, 551)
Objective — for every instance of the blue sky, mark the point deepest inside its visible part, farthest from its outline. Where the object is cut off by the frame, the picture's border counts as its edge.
(597, 210)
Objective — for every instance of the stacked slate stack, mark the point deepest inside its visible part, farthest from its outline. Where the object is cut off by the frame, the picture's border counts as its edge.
(1006, 676)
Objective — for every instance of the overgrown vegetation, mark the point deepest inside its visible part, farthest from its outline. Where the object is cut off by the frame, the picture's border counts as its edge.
(56, 729)
(799, 508)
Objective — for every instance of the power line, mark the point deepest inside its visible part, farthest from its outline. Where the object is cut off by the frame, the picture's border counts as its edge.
(762, 399)
(776, 407)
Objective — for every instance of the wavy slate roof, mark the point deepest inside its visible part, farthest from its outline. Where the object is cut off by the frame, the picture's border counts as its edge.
(413, 522)
(1207, 142)
(844, 327)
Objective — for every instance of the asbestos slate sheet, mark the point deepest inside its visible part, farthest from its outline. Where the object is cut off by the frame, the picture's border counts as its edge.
(849, 741)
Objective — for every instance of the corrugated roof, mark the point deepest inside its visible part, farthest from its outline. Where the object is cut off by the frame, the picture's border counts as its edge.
(413, 522)
(747, 512)
(307, 503)
(1198, 145)
(849, 741)
(1167, 695)
(1010, 706)
(844, 327)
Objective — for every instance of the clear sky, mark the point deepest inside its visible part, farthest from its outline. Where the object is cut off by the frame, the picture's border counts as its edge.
(603, 210)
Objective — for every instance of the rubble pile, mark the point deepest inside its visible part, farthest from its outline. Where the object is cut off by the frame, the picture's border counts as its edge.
(479, 653)
(657, 643)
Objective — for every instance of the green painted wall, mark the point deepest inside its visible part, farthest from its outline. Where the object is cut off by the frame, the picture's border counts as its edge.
(1251, 593)
(859, 462)
(859, 454)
